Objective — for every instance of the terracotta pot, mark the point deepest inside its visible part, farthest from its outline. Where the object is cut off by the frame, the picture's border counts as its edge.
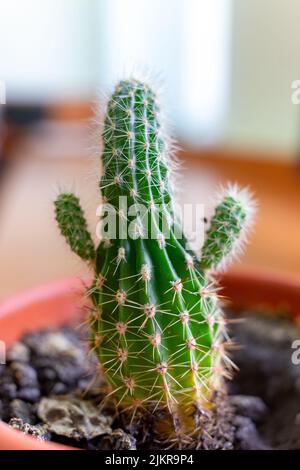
(57, 303)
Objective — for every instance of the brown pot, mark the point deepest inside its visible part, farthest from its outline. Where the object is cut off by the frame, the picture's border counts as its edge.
(54, 304)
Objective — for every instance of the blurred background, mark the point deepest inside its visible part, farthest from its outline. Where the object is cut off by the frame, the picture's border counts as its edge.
(227, 70)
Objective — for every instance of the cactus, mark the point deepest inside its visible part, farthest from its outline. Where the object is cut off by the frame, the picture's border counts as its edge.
(157, 325)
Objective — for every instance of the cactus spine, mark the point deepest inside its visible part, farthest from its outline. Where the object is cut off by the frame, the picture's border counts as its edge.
(157, 324)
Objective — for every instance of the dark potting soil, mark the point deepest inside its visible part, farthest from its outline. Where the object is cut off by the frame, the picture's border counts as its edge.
(48, 389)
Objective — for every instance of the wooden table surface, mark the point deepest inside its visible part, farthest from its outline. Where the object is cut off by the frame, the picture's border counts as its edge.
(32, 251)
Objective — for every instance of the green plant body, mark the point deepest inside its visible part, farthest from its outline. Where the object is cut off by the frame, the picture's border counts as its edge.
(157, 325)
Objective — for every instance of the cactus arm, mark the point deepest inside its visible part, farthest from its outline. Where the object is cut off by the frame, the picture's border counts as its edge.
(228, 226)
(73, 226)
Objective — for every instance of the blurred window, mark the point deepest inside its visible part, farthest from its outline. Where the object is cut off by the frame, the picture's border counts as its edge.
(60, 49)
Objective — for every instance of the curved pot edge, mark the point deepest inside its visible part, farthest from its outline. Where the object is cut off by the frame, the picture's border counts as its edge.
(263, 289)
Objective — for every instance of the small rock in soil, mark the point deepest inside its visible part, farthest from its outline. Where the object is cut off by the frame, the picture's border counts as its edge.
(60, 358)
(24, 375)
(246, 435)
(18, 352)
(74, 418)
(29, 394)
(38, 432)
(47, 374)
(8, 390)
(51, 344)
(22, 410)
(59, 389)
(117, 440)
(250, 406)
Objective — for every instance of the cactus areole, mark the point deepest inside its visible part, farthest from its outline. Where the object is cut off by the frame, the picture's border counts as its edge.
(157, 325)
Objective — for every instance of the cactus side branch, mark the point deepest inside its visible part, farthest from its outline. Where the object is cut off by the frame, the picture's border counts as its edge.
(228, 227)
(73, 226)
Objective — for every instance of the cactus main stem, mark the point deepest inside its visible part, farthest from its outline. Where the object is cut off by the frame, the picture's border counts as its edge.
(159, 323)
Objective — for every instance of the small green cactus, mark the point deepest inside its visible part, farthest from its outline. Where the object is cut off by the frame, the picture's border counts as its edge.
(157, 325)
